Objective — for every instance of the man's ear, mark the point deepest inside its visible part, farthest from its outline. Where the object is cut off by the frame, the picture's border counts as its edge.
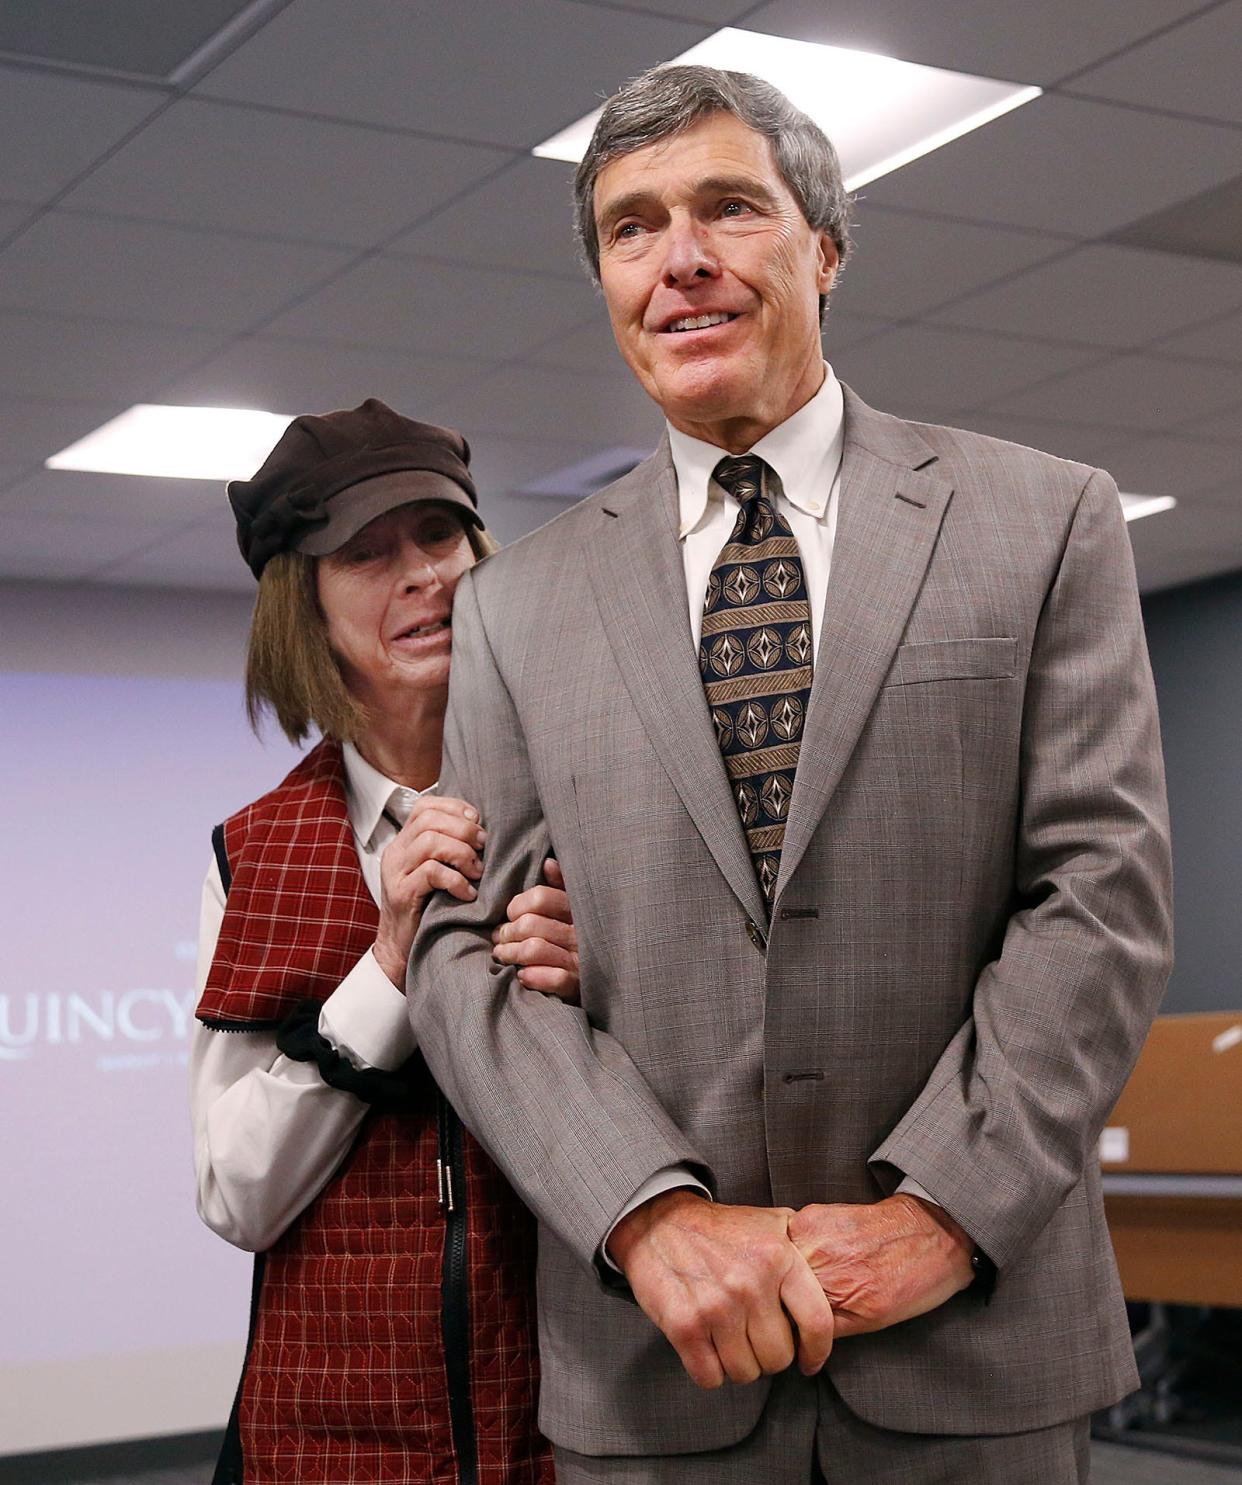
(827, 263)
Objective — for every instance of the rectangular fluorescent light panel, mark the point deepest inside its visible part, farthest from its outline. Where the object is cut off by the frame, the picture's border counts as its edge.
(186, 443)
(879, 112)
(1135, 507)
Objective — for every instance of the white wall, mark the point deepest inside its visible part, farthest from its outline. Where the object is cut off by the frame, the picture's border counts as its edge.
(122, 741)
(76, 629)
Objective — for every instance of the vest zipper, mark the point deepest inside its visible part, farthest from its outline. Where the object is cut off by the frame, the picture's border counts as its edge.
(454, 1291)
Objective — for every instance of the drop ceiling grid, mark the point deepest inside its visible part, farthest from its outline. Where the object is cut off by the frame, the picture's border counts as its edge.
(464, 250)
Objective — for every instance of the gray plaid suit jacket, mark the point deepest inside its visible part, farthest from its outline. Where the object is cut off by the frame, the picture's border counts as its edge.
(970, 936)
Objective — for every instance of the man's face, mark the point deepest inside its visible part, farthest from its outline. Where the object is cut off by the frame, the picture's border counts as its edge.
(702, 224)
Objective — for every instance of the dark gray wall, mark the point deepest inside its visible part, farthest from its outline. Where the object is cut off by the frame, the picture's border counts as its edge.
(1195, 635)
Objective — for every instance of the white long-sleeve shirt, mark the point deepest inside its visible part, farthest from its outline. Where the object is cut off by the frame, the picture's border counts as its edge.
(268, 1132)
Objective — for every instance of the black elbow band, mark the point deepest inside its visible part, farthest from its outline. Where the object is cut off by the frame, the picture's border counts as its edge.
(299, 1039)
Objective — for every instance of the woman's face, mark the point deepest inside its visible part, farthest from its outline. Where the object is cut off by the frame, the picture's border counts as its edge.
(387, 596)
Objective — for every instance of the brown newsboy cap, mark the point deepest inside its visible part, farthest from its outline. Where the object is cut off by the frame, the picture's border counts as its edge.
(330, 474)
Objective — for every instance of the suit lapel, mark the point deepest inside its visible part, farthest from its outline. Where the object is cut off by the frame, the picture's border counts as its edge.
(889, 517)
(636, 572)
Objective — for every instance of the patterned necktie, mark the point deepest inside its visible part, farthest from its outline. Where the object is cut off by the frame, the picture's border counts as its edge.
(755, 657)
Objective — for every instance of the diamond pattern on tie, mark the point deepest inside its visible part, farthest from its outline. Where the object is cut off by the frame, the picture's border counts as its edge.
(755, 657)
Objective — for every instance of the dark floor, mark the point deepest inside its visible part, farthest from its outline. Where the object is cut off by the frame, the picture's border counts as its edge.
(1112, 1464)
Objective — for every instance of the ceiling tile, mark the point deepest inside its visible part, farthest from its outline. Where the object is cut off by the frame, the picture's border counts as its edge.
(717, 12)
(904, 264)
(64, 547)
(1221, 340)
(1228, 494)
(1192, 541)
(951, 368)
(202, 555)
(842, 329)
(1205, 226)
(1038, 43)
(91, 360)
(100, 498)
(1226, 426)
(306, 376)
(1169, 465)
(587, 347)
(529, 400)
(1192, 68)
(1105, 296)
(251, 170)
(1082, 444)
(434, 309)
(31, 431)
(503, 467)
(517, 515)
(54, 127)
(504, 74)
(141, 36)
(78, 265)
(1079, 168)
(520, 219)
(12, 215)
(1138, 392)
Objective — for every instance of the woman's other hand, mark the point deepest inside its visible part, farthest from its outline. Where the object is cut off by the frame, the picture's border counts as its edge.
(437, 849)
(540, 936)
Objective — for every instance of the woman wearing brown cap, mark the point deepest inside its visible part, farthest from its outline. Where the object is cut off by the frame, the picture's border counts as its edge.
(392, 1322)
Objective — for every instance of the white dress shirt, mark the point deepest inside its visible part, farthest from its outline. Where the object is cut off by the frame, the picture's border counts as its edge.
(805, 451)
(268, 1131)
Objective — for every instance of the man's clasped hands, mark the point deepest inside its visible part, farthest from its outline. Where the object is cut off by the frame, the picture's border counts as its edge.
(742, 1291)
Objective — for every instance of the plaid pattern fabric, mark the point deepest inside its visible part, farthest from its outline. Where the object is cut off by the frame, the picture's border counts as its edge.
(298, 907)
(346, 1378)
(755, 657)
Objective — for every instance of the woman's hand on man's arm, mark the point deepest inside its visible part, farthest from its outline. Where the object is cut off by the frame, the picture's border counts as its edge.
(540, 937)
(437, 849)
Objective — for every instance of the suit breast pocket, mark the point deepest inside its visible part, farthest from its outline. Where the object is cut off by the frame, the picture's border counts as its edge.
(980, 659)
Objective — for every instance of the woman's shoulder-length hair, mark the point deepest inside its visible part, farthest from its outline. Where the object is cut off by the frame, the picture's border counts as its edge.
(291, 671)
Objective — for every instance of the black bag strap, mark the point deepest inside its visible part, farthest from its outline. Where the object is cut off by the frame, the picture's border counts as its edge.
(222, 857)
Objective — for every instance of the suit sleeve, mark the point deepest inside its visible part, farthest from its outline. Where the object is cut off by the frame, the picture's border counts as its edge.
(1009, 1119)
(556, 1102)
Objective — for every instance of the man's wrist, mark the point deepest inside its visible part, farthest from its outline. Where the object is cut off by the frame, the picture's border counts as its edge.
(636, 1225)
(959, 1248)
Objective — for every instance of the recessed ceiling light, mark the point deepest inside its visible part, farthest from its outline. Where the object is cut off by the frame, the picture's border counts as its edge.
(1135, 507)
(879, 112)
(186, 443)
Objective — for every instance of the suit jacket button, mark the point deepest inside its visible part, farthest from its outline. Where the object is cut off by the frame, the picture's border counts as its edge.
(755, 934)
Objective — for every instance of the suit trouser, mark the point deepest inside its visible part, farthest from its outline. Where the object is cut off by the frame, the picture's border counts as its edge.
(807, 1436)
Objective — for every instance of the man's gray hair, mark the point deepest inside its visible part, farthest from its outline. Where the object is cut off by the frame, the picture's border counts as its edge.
(668, 100)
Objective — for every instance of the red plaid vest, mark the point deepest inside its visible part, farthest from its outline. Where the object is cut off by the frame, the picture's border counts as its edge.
(348, 1375)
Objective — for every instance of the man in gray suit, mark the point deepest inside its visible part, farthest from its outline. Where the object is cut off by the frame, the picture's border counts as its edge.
(843, 730)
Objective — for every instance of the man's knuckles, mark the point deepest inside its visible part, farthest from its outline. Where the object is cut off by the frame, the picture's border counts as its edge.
(685, 1326)
(535, 901)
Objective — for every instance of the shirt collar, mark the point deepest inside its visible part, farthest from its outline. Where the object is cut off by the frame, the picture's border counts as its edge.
(805, 450)
(368, 793)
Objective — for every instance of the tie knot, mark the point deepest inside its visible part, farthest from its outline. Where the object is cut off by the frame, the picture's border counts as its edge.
(741, 475)
(400, 803)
